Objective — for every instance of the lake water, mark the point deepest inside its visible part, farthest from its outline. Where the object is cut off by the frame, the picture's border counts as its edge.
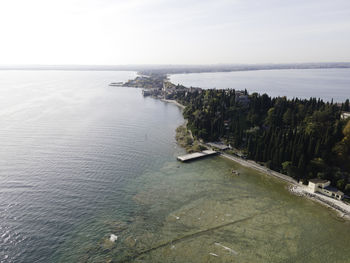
(80, 160)
(326, 84)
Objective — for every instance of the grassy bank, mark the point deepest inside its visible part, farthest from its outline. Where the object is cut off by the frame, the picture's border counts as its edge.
(185, 139)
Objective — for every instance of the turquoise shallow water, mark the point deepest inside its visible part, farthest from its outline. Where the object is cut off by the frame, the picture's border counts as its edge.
(326, 84)
(81, 161)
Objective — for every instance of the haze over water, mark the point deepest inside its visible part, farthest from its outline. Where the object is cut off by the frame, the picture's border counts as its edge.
(80, 160)
(326, 84)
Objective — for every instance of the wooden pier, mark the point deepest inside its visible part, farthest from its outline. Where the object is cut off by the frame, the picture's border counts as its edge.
(193, 156)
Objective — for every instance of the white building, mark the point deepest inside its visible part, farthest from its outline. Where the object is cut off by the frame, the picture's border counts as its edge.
(345, 115)
(323, 187)
(219, 145)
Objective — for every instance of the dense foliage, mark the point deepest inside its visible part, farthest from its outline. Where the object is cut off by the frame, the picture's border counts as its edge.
(302, 138)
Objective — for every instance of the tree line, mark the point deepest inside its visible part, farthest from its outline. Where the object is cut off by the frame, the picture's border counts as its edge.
(303, 138)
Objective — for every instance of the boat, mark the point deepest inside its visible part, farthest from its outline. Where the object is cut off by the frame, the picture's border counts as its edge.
(235, 172)
(116, 84)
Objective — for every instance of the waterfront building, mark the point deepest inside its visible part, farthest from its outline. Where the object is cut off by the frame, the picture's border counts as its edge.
(345, 115)
(324, 187)
(219, 145)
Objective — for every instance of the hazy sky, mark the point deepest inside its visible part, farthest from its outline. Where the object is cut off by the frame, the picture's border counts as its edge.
(173, 31)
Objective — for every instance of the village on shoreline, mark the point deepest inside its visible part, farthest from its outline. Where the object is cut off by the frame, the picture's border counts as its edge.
(158, 86)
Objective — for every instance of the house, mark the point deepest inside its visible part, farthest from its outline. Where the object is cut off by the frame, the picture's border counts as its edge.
(345, 115)
(146, 93)
(219, 145)
(242, 98)
(324, 187)
(151, 92)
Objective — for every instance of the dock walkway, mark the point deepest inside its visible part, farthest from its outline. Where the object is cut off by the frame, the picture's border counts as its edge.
(192, 156)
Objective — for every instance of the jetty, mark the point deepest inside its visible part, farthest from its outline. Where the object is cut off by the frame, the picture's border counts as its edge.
(197, 155)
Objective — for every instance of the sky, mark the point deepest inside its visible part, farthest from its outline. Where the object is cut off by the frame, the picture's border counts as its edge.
(116, 32)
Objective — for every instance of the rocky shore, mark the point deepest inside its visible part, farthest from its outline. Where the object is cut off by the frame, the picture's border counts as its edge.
(340, 207)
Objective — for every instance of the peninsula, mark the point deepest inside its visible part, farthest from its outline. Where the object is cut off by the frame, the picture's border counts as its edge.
(300, 139)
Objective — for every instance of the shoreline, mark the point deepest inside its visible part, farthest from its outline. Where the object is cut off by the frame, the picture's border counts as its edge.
(342, 209)
(176, 103)
(263, 169)
(295, 188)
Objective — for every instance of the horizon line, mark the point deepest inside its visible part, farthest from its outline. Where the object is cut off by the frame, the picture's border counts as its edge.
(172, 64)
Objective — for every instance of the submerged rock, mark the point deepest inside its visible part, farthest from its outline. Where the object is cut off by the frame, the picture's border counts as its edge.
(113, 238)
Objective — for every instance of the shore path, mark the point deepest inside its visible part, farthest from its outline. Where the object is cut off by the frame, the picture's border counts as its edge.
(256, 166)
(175, 102)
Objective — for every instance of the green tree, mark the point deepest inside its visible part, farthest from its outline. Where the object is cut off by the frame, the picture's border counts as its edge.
(285, 166)
(346, 105)
(347, 189)
(288, 117)
(341, 184)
